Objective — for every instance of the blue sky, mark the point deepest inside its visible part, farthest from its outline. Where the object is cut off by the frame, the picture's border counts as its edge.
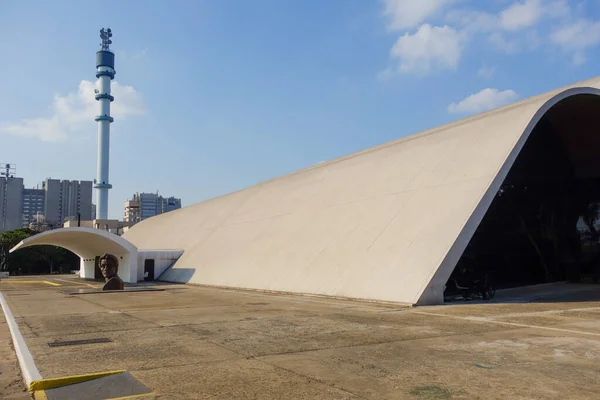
(214, 96)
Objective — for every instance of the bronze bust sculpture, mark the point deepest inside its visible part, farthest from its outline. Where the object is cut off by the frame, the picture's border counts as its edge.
(109, 265)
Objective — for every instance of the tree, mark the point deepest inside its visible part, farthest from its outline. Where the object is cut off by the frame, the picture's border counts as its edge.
(35, 259)
(8, 240)
(52, 256)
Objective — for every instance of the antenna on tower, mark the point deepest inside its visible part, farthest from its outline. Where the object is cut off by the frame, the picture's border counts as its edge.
(8, 170)
(105, 35)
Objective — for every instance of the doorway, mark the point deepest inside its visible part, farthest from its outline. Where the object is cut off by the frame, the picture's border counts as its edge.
(149, 269)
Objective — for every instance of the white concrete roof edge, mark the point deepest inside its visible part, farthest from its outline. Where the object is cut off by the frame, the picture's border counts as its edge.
(417, 135)
(393, 142)
(46, 238)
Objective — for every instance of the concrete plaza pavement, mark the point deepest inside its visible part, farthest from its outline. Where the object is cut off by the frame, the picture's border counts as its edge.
(192, 342)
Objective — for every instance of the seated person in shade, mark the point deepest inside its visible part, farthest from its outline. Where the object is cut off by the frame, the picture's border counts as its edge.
(109, 265)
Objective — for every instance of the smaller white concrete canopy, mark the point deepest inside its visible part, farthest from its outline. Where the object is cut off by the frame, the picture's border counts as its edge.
(89, 243)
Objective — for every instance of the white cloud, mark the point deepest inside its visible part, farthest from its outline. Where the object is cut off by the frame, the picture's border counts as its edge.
(557, 9)
(514, 44)
(140, 54)
(576, 38)
(431, 46)
(473, 21)
(579, 58)
(486, 72)
(427, 49)
(408, 14)
(386, 74)
(503, 44)
(486, 99)
(581, 34)
(75, 112)
(521, 15)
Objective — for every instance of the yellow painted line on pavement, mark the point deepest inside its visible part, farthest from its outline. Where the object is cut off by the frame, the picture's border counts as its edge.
(76, 283)
(40, 395)
(10, 281)
(51, 383)
(133, 396)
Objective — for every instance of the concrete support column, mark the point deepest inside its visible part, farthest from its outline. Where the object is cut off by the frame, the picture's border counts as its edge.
(86, 268)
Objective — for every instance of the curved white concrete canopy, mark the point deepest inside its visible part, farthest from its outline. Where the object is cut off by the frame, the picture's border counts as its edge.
(388, 223)
(88, 243)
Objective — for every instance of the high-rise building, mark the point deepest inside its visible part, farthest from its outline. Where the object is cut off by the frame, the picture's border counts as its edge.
(132, 213)
(33, 205)
(146, 205)
(11, 201)
(67, 199)
(170, 204)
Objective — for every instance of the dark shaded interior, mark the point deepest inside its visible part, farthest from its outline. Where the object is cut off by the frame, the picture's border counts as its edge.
(543, 226)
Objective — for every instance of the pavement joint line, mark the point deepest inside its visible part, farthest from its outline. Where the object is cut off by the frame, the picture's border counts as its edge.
(156, 324)
(122, 312)
(101, 331)
(493, 321)
(28, 367)
(547, 312)
(286, 353)
(244, 356)
(214, 362)
(180, 308)
(12, 281)
(24, 322)
(311, 378)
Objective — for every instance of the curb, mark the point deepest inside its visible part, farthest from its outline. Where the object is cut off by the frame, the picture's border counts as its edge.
(33, 379)
(51, 383)
(31, 374)
(28, 367)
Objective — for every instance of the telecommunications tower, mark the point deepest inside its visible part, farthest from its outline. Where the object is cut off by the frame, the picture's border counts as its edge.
(105, 72)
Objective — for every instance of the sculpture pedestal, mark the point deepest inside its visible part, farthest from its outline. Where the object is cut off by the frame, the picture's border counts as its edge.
(99, 290)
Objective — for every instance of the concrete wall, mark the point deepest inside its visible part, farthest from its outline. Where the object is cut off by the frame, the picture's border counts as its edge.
(388, 223)
(128, 267)
(87, 268)
(163, 259)
(72, 223)
(128, 270)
